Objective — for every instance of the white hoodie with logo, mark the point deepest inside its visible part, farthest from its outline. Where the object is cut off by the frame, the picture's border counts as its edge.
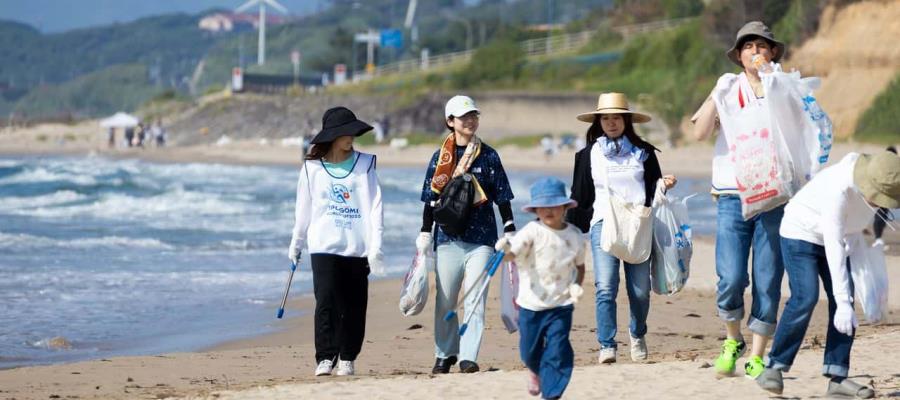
(340, 215)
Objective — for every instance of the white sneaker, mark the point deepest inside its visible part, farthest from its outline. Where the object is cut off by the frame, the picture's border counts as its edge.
(324, 367)
(345, 368)
(638, 349)
(607, 355)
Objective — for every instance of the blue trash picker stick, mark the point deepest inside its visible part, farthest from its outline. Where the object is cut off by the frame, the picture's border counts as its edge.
(286, 290)
(452, 313)
(498, 258)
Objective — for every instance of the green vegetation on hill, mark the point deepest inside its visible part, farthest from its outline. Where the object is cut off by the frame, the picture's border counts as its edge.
(879, 122)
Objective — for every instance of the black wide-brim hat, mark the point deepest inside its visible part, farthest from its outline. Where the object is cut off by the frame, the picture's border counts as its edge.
(337, 122)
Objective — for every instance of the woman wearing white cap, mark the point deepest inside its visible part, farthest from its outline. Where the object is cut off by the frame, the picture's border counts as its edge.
(617, 162)
(464, 234)
(838, 202)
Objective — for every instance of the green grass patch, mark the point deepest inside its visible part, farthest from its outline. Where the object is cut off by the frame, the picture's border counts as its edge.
(518, 141)
(880, 123)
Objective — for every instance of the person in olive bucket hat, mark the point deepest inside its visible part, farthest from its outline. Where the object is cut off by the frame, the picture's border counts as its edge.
(831, 210)
(736, 237)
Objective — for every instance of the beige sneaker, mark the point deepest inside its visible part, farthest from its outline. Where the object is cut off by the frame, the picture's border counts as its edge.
(638, 349)
(345, 368)
(607, 355)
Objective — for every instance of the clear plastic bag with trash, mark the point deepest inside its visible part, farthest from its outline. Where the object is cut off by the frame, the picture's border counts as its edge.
(414, 292)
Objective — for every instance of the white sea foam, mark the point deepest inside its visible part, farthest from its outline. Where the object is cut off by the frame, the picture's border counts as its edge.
(26, 242)
(55, 198)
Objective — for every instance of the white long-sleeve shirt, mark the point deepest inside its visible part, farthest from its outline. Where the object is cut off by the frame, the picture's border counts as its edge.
(825, 212)
(339, 215)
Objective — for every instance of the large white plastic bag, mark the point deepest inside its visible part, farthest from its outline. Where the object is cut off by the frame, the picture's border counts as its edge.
(761, 163)
(796, 116)
(414, 292)
(672, 245)
(870, 280)
(509, 290)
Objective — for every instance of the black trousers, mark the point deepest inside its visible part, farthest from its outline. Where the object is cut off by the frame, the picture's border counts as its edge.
(341, 287)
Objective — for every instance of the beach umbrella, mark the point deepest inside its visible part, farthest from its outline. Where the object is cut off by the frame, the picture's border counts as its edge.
(119, 120)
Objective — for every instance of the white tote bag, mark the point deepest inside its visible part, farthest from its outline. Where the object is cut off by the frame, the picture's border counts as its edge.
(627, 230)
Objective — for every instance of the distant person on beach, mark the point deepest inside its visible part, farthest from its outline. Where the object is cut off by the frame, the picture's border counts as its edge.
(549, 254)
(617, 162)
(464, 244)
(549, 146)
(735, 237)
(141, 134)
(158, 133)
(129, 136)
(837, 203)
(882, 216)
(111, 137)
(339, 218)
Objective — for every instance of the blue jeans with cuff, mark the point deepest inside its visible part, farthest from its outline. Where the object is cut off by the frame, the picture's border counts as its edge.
(806, 264)
(545, 348)
(606, 282)
(734, 239)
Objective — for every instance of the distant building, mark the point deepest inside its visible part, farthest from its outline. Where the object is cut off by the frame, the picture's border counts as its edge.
(227, 22)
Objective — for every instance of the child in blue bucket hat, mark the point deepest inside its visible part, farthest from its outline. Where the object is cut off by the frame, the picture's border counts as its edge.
(549, 254)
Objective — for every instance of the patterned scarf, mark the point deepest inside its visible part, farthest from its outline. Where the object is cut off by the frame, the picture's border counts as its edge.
(448, 167)
(621, 147)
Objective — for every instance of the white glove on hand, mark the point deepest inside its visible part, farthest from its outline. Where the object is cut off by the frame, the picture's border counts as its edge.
(424, 243)
(845, 318)
(376, 263)
(502, 244)
(294, 252)
(575, 291)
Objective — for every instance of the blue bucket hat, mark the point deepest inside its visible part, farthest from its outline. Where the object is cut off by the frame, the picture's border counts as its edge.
(549, 192)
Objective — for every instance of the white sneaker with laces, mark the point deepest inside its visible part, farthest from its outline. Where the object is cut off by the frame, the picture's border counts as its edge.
(607, 355)
(345, 368)
(638, 349)
(324, 367)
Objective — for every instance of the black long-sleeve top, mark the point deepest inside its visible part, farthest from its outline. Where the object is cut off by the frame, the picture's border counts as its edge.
(583, 186)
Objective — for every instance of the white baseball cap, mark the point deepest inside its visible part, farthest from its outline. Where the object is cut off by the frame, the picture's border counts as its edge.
(458, 106)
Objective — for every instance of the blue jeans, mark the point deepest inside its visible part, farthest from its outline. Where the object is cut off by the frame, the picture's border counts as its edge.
(606, 282)
(734, 237)
(805, 264)
(545, 349)
(456, 260)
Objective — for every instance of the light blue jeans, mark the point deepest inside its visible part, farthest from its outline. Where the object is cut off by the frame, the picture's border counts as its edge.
(458, 266)
(734, 238)
(606, 282)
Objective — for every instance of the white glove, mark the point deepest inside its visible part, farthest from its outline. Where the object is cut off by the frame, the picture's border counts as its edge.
(575, 291)
(376, 263)
(503, 243)
(845, 318)
(294, 252)
(424, 243)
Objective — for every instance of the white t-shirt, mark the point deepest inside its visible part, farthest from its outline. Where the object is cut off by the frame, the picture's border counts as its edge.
(625, 176)
(546, 258)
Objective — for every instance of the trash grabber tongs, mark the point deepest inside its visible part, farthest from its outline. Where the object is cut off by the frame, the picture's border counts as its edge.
(286, 290)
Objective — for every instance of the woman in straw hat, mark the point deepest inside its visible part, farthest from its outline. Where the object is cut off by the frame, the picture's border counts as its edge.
(837, 203)
(616, 162)
(339, 203)
(735, 237)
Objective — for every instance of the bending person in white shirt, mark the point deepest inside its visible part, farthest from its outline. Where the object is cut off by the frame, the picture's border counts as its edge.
(838, 202)
(339, 218)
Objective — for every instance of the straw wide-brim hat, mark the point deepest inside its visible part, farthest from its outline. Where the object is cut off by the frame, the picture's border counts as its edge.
(878, 178)
(754, 28)
(613, 103)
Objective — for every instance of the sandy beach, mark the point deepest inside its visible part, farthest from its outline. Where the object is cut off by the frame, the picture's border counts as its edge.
(397, 356)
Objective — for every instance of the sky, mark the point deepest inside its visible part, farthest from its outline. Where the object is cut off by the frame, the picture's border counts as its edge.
(52, 16)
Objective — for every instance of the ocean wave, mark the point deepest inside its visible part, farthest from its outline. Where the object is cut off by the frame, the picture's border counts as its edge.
(55, 198)
(22, 241)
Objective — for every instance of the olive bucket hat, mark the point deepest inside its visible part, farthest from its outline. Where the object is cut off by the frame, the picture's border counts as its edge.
(753, 28)
(878, 178)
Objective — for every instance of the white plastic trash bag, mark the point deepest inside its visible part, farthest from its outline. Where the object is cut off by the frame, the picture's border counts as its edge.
(870, 280)
(414, 292)
(761, 162)
(670, 260)
(805, 128)
(509, 290)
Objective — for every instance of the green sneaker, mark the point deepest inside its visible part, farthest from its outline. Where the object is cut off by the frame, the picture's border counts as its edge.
(754, 367)
(731, 351)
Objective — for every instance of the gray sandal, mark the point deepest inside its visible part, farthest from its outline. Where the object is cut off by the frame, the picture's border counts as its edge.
(848, 389)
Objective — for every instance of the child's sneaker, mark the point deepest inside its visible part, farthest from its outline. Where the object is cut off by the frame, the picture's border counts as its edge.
(324, 367)
(638, 349)
(607, 355)
(345, 368)
(754, 367)
(731, 351)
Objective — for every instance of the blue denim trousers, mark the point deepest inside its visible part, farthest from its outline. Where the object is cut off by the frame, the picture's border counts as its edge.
(734, 238)
(458, 266)
(606, 283)
(805, 264)
(545, 348)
